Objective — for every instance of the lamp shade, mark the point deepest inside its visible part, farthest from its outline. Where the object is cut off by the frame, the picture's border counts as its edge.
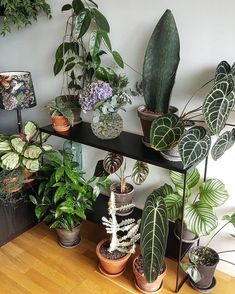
(16, 90)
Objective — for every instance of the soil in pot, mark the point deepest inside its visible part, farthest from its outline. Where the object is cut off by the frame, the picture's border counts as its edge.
(60, 123)
(123, 198)
(69, 239)
(140, 281)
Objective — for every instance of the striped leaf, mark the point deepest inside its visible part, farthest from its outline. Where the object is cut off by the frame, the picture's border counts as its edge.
(10, 161)
(222, 71)
(192, 179)
(30, 129)
(163, 191)
(153, 236)
(140, 172)
(17, 143)
(112, 162)
(213, 193)
(223, 143)
(200, 218)
(174, 204)
(165, 132)
(194, 146)
(218, 105)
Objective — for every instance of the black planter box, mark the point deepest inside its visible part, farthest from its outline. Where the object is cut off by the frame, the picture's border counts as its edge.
(16, 216)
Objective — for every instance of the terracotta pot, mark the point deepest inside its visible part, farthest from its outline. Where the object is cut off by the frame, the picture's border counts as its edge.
(27, 176)
(9, 181)
(141, 283)
(69, 239)
(123, 198)
(187, 236)
(147, 118)
(60, 123)
(111, 267)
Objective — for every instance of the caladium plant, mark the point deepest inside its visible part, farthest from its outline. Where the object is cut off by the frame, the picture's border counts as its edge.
(24, 149)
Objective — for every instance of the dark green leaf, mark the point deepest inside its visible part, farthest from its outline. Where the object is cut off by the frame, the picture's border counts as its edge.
(66, 7)
(106, 39)
(71, 175)
(60, 192)
(223, 143)
(59, 173)
(33, 199)
(222, 71)
(77, 6)
(100, 20)
(83, 22)
(41, 187)
(101, 74)
(58, 66)
(70, 59)
(117, 57)
(70, 66)
(94, 44)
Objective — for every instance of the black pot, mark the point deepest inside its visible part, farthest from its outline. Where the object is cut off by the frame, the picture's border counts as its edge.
(206, 271)
(187, 236)
(69, 239)
(2, 10)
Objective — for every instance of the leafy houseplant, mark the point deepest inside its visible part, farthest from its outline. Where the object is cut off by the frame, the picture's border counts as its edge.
(124, 191)
(150, 269)
(199, 215)
(203, 261)
(21, 13)
(65, 197)
(114, 253)
(160, 65)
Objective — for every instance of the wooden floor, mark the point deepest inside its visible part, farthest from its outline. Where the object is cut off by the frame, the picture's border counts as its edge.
(35, 263)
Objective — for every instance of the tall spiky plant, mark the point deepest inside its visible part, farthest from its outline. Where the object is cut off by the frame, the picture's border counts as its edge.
(128, 227)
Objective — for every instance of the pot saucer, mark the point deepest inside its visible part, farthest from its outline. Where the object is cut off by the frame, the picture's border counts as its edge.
(147, 292)
(203, 290)
(75, 244)
(108, 274)
(125, 214)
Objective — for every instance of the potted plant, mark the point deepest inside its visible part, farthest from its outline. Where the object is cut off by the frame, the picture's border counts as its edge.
(10, 182)
(149, 268)
(203, 261)
(124, 191)
(160, 65)
(21, 13)
(65, 196)
(114, 253)
(201, 199)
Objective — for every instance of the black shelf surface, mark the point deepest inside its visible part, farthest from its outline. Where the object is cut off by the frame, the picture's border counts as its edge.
(100, 209)
(127, 144)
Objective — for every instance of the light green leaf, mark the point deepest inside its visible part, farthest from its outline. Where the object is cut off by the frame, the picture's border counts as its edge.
(174, 205)
(30, 130)
(33, 152)
(59, 173)
(192, 179)
(31, 165)
(10, 161)
(118, 59)
(60, 192)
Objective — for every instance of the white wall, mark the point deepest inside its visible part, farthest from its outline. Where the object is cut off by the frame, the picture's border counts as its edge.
(206, 31)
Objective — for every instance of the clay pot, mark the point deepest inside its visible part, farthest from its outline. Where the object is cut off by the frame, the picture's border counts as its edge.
(69, 239)
(146, 118)
(141, 283)
(109, 267)
(123, 198)
(60, 123)
(10, 181)
(187, 236)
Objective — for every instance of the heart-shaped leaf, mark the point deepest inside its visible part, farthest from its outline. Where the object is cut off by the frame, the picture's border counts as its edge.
(218, 105)
(140, 172)
(194, 146)
(213, 193)
(222, 71)
(174, 204)
(222, 144)
(165, 132)
(112, 162)
(163, 190)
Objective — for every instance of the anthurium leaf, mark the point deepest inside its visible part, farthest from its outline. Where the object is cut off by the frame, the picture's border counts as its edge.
(192, 178)
(100, 20)
(194, 145)
(140, 172)
(222, 71)
(94, 44)
(118, 59)
(223, 143)
(218, 105)
(213, 192)
(165, 132)
(83, 21)
(163, 190)
(199, 218)
(174, 204)
(59, 63)
(77, 6)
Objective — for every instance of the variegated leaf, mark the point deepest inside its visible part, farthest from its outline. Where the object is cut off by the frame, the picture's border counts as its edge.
(18, 144)
(163, 190)
(5, 146)
(112, 162)
(200, 218)
(140, 172)
(10, 161)
(153, 236)
(30, 129)
(192, 178)
(165, 132)
(33, 152)
(174, 204)
(31, 165)
(222, 71)
(213, 193)
(218, 105)
(222, 144)
(99, 170)
(194, 146)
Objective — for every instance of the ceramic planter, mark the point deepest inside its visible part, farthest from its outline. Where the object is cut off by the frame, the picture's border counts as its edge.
(206, 271)
(109, 267)
(141, 283)
(123, 198)
(60, 123)
(69, 239)
(76, 110)
(187, 236)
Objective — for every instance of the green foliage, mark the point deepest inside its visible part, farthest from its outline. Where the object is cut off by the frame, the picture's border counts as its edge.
(64, 194)
(20, 13)
(160, 64)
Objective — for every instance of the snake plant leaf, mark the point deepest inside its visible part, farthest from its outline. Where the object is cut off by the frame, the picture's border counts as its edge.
(222, 71)
(5, 145)
(199, 218)
(160, 64)
(165, 132)
(32, 165)
(218, 105)
(10, 161)
(213, 193)
(174, 205)
(192, 179)
(30, 129)
(163, 191)
(83, 21)
(153, 236)
(194, 145)
(112, 162)
(223, 143)
(33, 152)
(18, 144)
(140, 172)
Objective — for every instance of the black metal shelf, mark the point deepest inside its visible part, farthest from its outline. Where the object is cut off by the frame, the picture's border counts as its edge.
(127, 144)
